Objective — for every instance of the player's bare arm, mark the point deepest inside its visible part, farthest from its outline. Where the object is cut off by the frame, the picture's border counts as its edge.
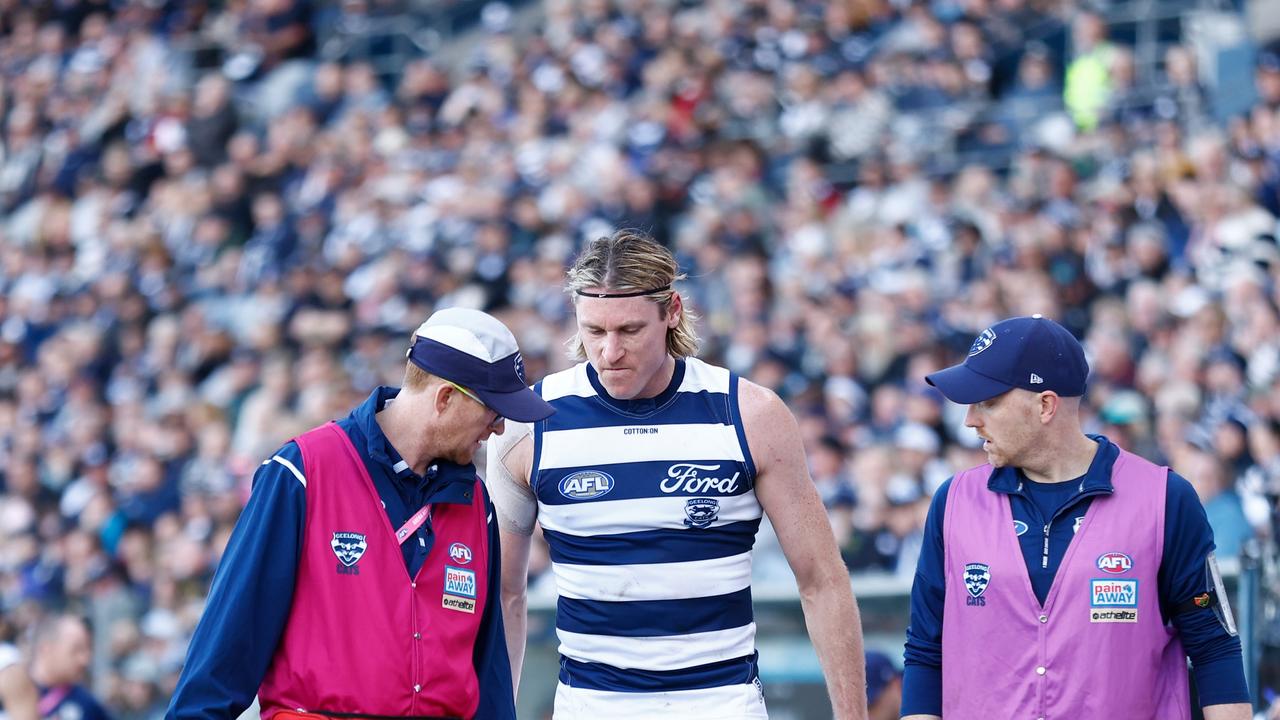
(789, 498)
(509, 461)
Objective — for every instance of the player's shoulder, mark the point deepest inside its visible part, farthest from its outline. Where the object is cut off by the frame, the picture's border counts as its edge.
(702, 376)
(761, 405)
(771, 431)
(514, 448)
(571, 381)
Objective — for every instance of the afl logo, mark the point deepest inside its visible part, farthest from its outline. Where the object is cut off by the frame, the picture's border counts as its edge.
(1115, 563)
(460, 554)
(982, 342)
(586, 484)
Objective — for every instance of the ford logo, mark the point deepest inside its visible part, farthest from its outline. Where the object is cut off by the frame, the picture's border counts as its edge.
(586, 484)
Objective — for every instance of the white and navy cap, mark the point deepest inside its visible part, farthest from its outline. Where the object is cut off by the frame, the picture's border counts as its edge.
(475, 350)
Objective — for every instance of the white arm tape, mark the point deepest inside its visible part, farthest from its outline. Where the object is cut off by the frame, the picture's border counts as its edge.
(512, 498)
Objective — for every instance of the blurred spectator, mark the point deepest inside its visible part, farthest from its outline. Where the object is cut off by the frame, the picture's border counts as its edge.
(884, 687)
(1267, 78)
(60, 655)
(903, 531)
(1088, 83)
(213, 120)
(827, 467)
(1181, 95)
(1126, 103)
(1213, 483)
(860, 117)
(276, 43)
(1034, 93)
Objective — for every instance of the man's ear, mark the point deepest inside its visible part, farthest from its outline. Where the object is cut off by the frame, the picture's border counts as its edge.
(442, 396)
(1050, 404)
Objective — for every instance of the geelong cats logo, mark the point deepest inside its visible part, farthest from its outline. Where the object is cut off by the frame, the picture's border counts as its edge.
(349, 547)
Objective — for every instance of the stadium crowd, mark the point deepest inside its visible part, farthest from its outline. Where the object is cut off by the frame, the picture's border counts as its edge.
(214, 236)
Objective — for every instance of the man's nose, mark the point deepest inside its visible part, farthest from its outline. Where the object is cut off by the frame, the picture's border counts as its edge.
(613, 350)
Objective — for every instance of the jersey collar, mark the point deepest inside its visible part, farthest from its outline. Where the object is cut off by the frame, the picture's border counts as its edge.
(639, 406)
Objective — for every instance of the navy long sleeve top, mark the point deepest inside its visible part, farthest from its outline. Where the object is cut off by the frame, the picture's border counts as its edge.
(252, 592)
(1056, 510)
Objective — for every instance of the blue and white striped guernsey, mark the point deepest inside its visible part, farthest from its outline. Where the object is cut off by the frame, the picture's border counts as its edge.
(650, 512)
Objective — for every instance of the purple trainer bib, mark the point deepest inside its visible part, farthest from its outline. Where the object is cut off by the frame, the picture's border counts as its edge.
(1098, 648)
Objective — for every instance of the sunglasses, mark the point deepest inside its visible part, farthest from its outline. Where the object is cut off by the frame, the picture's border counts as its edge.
(497, 420)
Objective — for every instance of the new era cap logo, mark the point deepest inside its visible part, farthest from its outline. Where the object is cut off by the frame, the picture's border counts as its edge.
(1036, 379)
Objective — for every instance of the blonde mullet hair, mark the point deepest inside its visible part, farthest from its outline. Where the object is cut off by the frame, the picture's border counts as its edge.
(631, 261)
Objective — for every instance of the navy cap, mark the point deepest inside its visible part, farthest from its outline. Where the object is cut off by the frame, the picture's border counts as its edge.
(880, 672)
(1033, 353)
(475, 350)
